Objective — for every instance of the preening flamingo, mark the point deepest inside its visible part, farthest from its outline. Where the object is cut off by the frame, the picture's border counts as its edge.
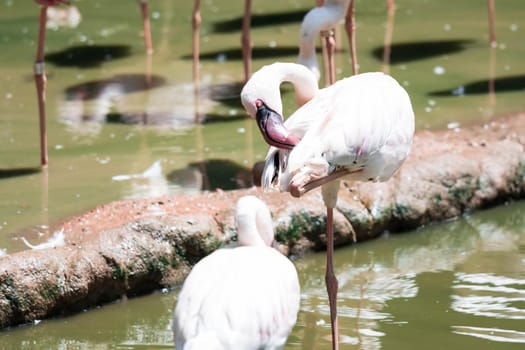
(358, 129)
(39, 68)
(244, 298)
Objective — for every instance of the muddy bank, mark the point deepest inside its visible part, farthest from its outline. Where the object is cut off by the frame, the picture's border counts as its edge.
(136, 246)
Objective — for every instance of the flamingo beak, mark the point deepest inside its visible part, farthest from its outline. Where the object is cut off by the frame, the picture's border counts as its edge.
(272, 127)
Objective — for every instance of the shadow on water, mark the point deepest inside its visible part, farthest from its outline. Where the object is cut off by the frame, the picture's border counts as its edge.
(212, 174)
(125, 83)
(259, 21)
(257, 52)
(503, 84)
(413, 51)
(16, 172)
(88, 56)
(228, 94)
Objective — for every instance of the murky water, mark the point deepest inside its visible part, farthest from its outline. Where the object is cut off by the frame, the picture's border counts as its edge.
(121, 126)
(457, 285)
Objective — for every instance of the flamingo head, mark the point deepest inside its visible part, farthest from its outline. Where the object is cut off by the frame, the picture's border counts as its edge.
(272, 127)
(261, 98)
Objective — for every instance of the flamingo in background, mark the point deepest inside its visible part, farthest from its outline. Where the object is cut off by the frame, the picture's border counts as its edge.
(328, 13)
(359, 129)
(244, 298)
(323, 18)
(39, 67)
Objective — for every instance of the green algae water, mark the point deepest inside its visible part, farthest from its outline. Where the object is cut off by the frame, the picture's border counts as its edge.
(122, 125)
(455, 285)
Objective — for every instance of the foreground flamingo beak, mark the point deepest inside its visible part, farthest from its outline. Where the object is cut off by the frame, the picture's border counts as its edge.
(272, 128)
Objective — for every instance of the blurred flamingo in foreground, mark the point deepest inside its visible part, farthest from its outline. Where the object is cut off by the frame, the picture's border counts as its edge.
(39, 68)
(359, 129)
(244, 298)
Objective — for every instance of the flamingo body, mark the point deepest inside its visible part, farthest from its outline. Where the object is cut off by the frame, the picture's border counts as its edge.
(364, 123)
(240, 298)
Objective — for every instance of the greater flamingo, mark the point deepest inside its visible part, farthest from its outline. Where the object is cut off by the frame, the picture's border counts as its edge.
(39, 67)
(359, 129)
(244, 298)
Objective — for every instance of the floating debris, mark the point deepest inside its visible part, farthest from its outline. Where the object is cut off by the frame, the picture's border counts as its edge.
(439, 70)
(57, 240)
(453, 125)
(459, 91)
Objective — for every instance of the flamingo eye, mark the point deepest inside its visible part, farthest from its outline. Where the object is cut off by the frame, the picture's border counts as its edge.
(259, 103)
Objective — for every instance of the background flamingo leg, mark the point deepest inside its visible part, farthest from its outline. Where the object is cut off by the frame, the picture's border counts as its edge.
(196, 22)
(40, 81)
(246, 42)
(329, 40)
(147, 29)
(350, 32)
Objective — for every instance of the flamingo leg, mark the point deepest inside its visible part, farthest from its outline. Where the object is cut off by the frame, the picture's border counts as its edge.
(350, 32)
(246, 41)
(330, 50)
(196, 22)
(388, 36)
(40, 81)
(146, 24)
(492, 26)
(330, 278)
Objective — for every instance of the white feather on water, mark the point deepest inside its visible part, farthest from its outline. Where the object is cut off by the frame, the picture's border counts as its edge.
(57, 240)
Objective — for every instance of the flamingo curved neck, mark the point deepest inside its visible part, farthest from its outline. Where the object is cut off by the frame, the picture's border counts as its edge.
(304, 83)
(264, 85)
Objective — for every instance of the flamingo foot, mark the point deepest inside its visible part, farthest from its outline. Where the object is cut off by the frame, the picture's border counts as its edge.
(310, 177)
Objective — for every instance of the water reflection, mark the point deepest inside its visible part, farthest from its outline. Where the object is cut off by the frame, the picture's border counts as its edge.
(83, 56)
(189, 180)
(374, 278)
(258, 52)
(413, 51)
(261, 20)
(446, 285)
(15, 172)
(501, 84)
(131, 99)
